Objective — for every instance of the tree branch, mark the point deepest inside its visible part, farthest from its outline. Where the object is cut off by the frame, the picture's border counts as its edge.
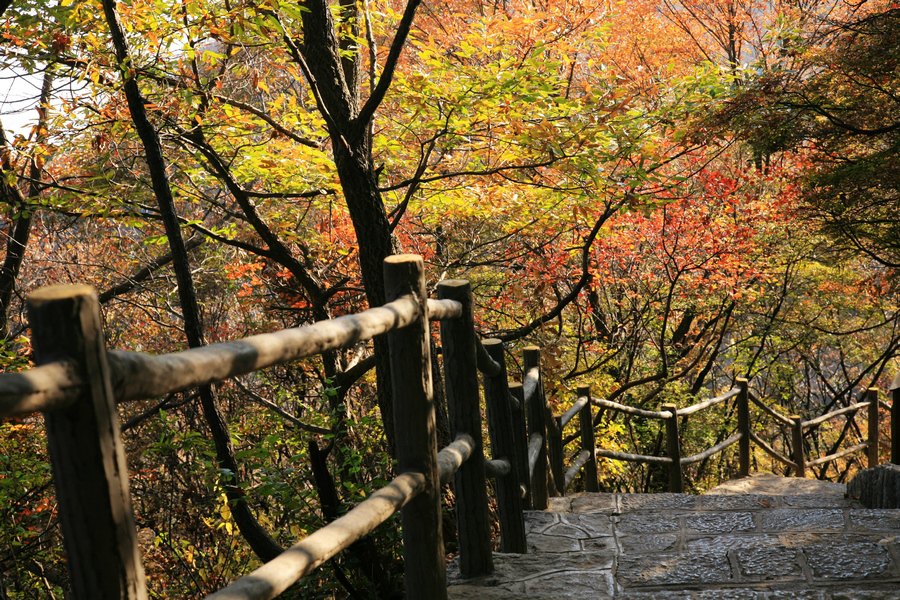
(387, 73)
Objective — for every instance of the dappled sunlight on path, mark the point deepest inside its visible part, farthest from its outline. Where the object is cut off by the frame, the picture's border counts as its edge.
(790, 542)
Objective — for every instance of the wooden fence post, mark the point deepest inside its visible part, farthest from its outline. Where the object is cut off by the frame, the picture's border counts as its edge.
(500, 427)
(536, 411)
(461, 382)
(586, 423)
(872, 449)
(895, 420)
(520, 433)
(555, 454)
(743, 410)
(673, 444)
(414, 431)
(797, 443)
(89, 467)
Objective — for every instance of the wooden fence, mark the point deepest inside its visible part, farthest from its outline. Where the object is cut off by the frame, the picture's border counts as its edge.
(78, 382)
(744, 435)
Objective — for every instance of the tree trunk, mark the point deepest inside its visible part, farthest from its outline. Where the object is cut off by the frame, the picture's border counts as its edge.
(260, 541)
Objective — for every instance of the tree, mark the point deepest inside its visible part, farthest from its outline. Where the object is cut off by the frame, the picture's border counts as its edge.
(543, 152)
(823, 109)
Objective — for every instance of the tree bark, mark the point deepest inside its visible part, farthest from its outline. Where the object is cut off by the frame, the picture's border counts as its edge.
(336, 90)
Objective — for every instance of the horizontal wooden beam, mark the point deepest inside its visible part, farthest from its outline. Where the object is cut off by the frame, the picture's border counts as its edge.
(639, 412)
(444, 309)
(573, 410)
(137, 376)
(835, 413)
(452, 457)
(707, 403)
(579, 462)
(280, 573)
(499, 467)
(711, 451)
(641, 458)
(47, 387)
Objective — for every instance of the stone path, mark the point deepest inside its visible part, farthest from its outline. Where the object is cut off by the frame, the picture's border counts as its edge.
(772, 485)
(678, 546)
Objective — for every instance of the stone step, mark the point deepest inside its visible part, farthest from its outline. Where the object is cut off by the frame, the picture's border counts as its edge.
(683, 546)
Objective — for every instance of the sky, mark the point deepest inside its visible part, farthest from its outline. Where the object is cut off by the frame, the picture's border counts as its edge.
(18, 96)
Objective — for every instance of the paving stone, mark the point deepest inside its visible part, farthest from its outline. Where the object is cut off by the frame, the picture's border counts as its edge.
(875, 520)
(576, 585)
(647, 544)
(848, 560)
(632, 502)
(495, 579)
(724, 593)
(519, 567)
(719, 522)
(567, 530)
(602, 544)
(647, 523)
(593, 503)
(471, 592)
(724, 543)
(739, 502)
(796, 594)
(731, 594)
(789, 519)
(817, 501)
(538, 521)
(691, 567)
(868, 593)
(656, 595)
(716, 594)
(561, 504)
(551, 543)
(592, 524)
(763, 564)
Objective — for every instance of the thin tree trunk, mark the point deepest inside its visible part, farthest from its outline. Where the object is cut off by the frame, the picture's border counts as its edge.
(10, 194)
(260, 541)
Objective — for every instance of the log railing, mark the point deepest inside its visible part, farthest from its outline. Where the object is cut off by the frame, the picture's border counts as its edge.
(744, 435)
(77, 383)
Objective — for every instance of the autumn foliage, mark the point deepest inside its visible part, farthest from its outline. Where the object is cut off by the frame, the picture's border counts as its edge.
(664, 195)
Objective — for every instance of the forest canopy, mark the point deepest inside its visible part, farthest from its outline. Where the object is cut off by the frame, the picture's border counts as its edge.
(665, 195)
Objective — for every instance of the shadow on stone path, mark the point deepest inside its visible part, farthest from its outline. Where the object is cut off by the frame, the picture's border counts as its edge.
(678, 546)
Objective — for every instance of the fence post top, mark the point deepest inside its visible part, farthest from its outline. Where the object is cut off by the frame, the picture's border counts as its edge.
(453, 283)
(491, 342)
(403, 258)
(741, 380)
(60, 292)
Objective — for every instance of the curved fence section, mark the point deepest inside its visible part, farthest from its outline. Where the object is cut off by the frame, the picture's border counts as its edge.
(794, 429)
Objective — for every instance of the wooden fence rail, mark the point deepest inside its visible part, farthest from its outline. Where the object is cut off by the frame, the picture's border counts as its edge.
(673, 460)
(76, 384)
